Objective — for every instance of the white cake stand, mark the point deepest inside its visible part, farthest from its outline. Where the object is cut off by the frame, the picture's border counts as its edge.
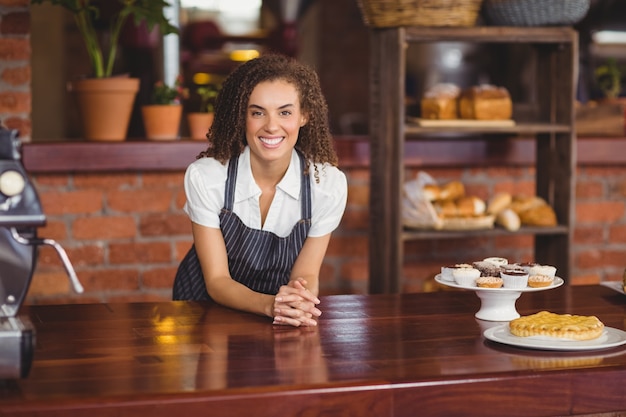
(498, 304)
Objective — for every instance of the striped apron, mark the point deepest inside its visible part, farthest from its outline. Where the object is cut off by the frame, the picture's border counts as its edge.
(258, 259)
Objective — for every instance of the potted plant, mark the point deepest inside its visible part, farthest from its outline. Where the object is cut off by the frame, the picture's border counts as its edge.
(608, 77)
(97, 93)
(200, 121)
(161, 118)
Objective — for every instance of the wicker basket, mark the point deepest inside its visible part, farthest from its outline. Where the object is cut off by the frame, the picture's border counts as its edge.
(535, 12)
(390, 13)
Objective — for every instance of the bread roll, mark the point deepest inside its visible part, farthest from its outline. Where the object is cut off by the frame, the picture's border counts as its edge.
(509, 219)
(470, 206)
(499, 202)
(485, 102)
(542, 215)
(452, 191)
(521, 203)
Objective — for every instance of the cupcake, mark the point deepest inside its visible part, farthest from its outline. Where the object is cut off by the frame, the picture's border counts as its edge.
(466, 276)
(496, 260)
(446, 271)
(547, 270)
(527, 265)
(487, 269)
(515, 278)
(538, 281)
(489, 282)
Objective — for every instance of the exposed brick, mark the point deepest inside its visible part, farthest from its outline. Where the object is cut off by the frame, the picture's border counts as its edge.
(619, 190)
(589, 190)
(14, 3)
(180, 199)
(14, 101)
(181, 249)
(355, 219)
(164, 224)
(586, 235)
(617, 234)
(140, 253)
(599, 212)
(86, 256)
(109, 280)
(104, 227)
(164, 180)
(12, 49)
(46, 283)
(594, 258)
(347, 246)
(140, 201)
(15, 23)
(22, 125)
(56, 181)
(591, 279)
(158, 278)
(358, 195)
(54, 229)
(106, 181)
(73, 202)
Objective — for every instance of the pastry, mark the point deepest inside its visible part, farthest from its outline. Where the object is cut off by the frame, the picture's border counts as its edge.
(485, 102)
(542, 270)
(514, 278)
(496, 260)
(509, 219)
(470, 206)
(466, 276)
(539, 281)
(526, 266)
(487, 269)
(489, 282)
(452, 191)
(499, 202)
(440, 102)
(542, 215)
(562, 326)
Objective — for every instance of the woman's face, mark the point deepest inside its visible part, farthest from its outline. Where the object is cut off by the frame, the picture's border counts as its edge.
(273, 120)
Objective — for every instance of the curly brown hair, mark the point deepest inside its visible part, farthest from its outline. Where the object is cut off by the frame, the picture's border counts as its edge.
(227, 135)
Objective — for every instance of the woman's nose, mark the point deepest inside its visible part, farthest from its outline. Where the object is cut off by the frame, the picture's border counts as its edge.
(271, 123)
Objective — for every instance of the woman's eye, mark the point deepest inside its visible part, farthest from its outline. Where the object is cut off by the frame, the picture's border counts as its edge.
(285, 113)
(256, 113)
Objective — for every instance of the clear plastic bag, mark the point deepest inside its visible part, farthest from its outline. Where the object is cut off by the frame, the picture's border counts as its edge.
(417, 210)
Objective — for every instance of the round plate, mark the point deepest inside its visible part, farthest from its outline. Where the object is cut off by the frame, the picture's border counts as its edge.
(556, 283)
(610, 338)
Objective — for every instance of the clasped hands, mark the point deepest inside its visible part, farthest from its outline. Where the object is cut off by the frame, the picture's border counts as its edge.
(295, 305)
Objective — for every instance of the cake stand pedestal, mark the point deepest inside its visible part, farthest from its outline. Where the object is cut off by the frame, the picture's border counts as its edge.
(498, 304)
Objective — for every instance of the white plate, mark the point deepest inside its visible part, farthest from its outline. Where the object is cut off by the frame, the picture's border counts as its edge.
(556, 283)
(614, 285)
(610, 338)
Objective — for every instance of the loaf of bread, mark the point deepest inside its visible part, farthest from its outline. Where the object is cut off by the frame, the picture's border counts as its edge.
(440, 102)
(485, 102)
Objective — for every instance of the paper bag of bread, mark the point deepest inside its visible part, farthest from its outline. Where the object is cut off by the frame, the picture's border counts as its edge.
(447, 205)
(417, 209)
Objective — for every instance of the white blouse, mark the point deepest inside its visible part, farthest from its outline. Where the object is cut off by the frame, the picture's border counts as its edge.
(205, 180)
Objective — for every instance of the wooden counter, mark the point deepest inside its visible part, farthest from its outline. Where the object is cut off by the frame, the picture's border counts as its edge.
(377, 355)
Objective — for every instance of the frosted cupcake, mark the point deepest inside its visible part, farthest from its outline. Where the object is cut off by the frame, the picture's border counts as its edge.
(515, 278)
(527, 265)
(446, 271)
(547, 270)
(496, 260)
(466, 276)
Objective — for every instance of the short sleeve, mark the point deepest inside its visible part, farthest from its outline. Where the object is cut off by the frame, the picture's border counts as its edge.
(204, 184)
(329, 198)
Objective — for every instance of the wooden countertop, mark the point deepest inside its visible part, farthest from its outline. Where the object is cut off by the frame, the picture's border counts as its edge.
(371, 355)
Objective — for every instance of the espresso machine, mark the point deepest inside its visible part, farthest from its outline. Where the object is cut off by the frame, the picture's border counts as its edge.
(20, 216)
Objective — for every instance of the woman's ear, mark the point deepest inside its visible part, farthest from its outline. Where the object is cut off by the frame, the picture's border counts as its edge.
(304, 119)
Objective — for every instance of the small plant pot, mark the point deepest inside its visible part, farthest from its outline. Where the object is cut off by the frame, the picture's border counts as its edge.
(199, 124)
(162, 121)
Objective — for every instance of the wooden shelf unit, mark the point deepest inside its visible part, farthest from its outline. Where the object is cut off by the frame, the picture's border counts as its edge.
(550, 122)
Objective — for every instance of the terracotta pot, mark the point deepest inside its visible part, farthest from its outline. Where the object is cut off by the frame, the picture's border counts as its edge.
(199, 124)
(105, 106)
(162, 121)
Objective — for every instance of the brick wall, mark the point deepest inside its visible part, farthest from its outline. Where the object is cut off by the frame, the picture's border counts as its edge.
(125, 233)
(15, 70)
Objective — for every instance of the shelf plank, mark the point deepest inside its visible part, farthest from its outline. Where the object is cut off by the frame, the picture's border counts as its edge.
(492, 34)
(415, 234)
(518, 129)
